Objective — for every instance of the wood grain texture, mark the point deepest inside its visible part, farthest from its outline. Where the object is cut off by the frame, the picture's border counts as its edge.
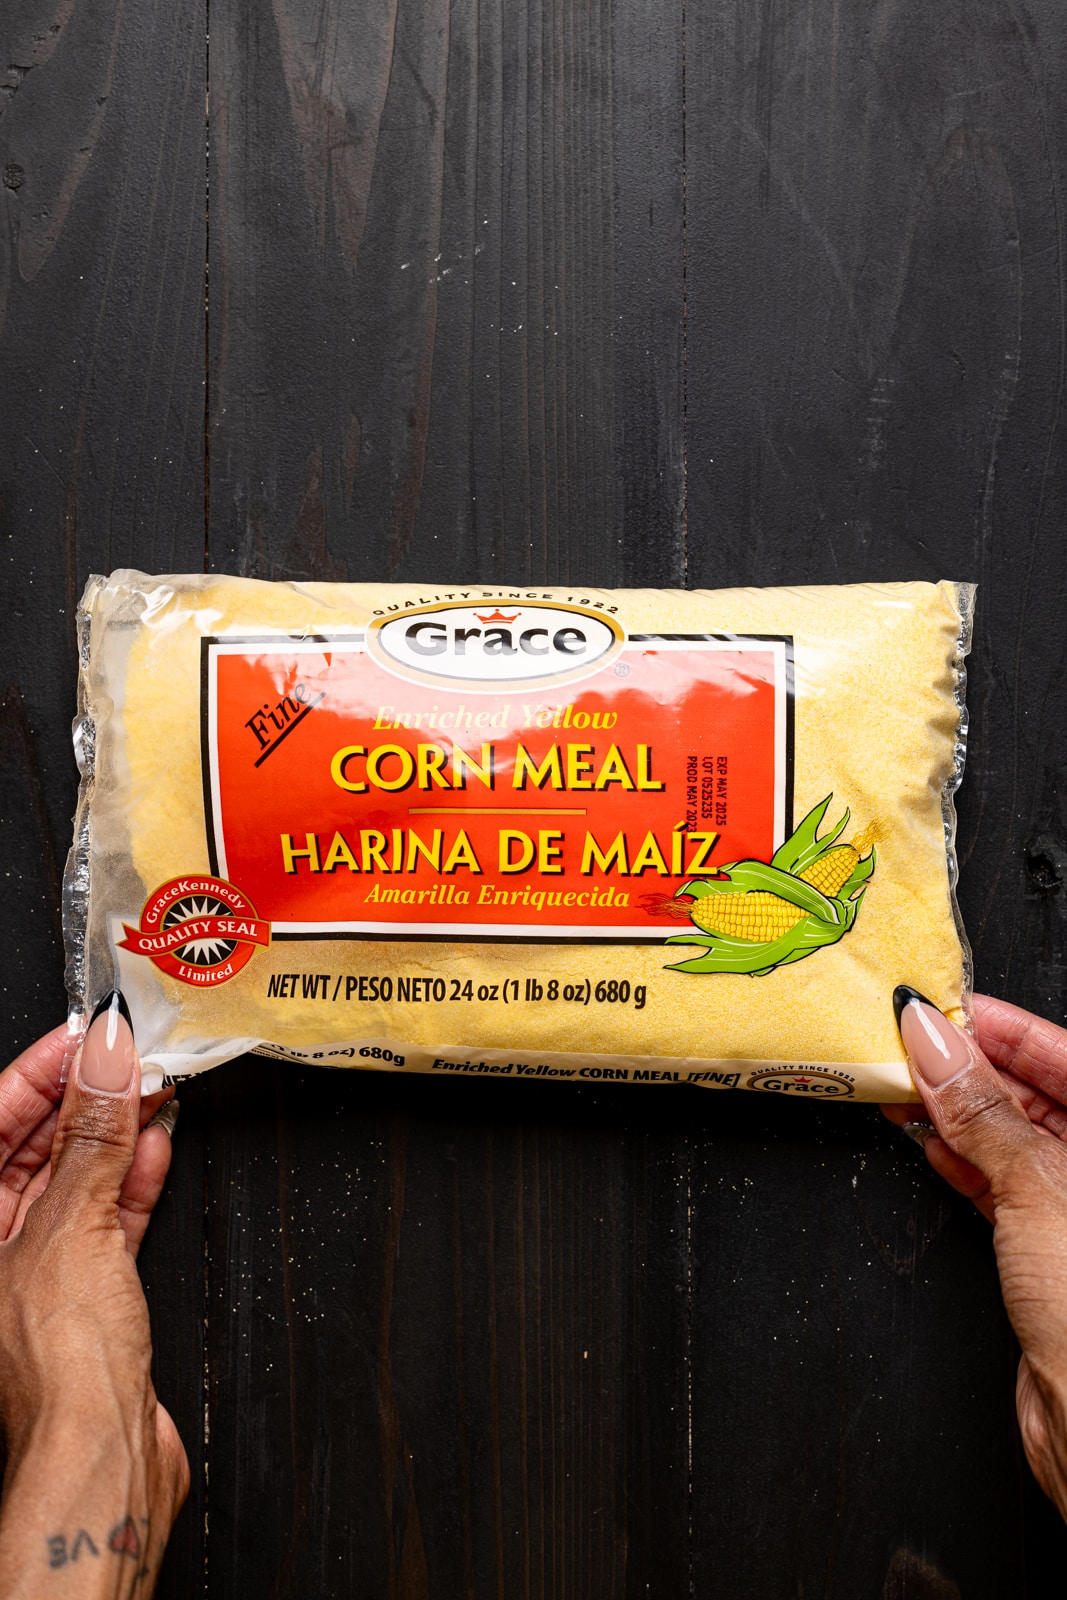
(874, 385)
(440, 1319)
(876, 214)
(446, 318)
(101, 403)
(844, 1406)
(102, 245)
(589, 292)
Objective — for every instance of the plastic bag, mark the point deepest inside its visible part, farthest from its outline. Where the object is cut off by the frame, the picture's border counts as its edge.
(630, 836)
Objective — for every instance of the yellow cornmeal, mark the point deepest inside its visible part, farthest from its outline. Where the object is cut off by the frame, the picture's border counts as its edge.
(877, 670)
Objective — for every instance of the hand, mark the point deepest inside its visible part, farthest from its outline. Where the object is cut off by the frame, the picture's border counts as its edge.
(999, 1107)
(95, 1469)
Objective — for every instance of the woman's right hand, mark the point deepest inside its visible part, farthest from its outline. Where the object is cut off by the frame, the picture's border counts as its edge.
(998, 1104)
(96, 1471)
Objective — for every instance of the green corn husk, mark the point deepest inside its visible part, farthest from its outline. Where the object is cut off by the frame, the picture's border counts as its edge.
(826, 920)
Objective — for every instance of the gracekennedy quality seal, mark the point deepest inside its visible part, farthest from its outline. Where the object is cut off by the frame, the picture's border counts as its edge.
(200, 930)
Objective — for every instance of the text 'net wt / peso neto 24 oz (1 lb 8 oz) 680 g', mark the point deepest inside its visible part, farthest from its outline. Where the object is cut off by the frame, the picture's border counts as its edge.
(637, 836)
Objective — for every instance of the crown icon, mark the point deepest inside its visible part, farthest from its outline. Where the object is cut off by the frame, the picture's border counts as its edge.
(497, 616)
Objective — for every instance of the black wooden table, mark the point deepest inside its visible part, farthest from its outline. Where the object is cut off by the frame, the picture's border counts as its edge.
(703, 295)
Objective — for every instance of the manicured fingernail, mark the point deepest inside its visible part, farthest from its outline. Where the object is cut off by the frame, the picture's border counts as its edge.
(919, 1131)
(935, 1048)
(107, 1054)
(166, 1118)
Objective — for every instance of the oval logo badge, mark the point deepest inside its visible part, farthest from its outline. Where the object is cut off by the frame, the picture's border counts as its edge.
(482, 647)
(812, 1081)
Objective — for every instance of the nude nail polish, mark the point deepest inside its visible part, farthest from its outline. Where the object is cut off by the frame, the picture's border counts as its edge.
(107, 1054)
(936, 1049)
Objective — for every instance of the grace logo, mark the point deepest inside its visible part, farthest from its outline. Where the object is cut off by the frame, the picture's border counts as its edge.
(815, 1082)
(483, 647)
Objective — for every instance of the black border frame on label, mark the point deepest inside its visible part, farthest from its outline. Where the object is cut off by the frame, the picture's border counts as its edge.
(278, 642)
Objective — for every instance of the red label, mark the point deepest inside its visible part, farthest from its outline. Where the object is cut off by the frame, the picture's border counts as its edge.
(201, 930)
(346, 796)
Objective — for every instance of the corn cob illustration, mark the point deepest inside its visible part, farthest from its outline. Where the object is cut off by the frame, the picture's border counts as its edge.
(762, 917)
(756, 915)
(831, 871)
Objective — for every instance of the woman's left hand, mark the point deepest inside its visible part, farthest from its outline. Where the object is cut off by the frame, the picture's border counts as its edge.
(998, 1103)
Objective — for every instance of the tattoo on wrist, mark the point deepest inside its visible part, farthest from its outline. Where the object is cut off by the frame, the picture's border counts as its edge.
(61, 1554)
(129, 1540)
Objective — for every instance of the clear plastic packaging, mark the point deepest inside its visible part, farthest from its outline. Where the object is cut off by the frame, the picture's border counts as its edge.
(630, 836)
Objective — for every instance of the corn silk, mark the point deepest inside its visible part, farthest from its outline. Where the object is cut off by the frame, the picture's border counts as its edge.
(629, 836)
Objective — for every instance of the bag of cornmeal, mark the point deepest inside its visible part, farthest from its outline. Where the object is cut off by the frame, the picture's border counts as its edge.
(631, 836)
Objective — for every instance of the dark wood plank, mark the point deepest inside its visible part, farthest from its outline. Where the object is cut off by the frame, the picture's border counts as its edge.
(32, 975)
(852, 1371)
(101, 465)
(874, 337)
(445, 322)
(101, 301)
(439, 1322)
(446, 305)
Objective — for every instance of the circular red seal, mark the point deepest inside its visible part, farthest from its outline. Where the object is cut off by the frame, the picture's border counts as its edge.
(198, 929)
